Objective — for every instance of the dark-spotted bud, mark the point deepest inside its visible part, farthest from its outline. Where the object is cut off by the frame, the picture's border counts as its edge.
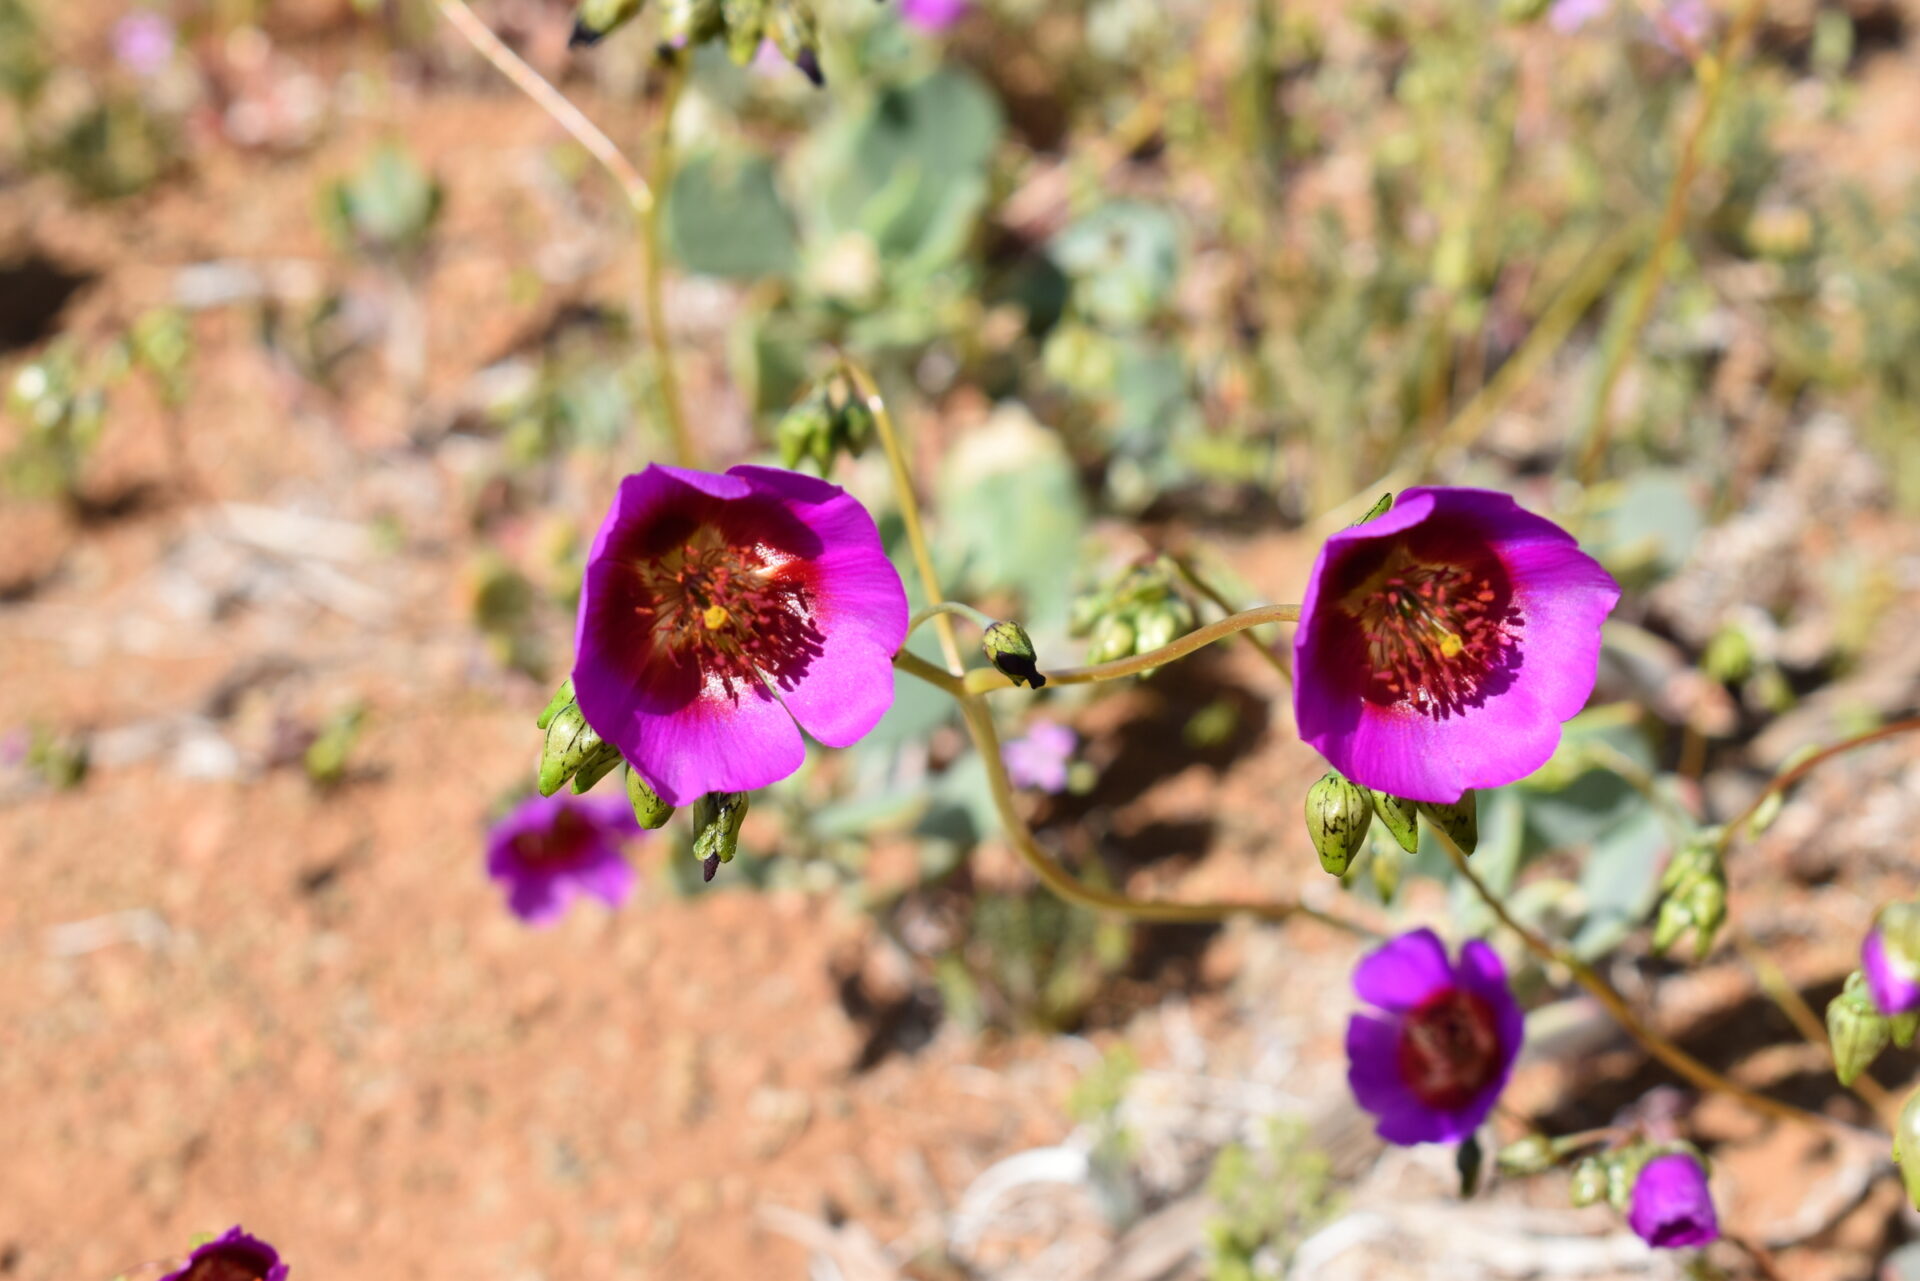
(1338, 815)
(1460, 820)
(1400, 817)
(597, 766)
(1587, 1183)
(649, 810)
(1856, 1029)
(1389, 868)
(717, 817)
(570, 743)
(1009, 648)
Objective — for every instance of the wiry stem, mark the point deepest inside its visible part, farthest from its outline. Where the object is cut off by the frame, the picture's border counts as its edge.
(954, 608)
(1781, 782)
(666, 376)
(1616, 1005)
(982, 680)
(1715, 74)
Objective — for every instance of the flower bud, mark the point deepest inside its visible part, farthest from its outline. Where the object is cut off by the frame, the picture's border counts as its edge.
(649, 810)
(1890, 958)
(1530, 1155)
(690, 22)
(794, 33)
(1400, 817)
(1381, 506)
(597, 766)
(1903, 1027)
(806, 431)
(1154, 627)
(1460, 820)
(717, 817)
(561, 697)
(1856, 1028)
(1113, 638)
(1707, 905)
(1587, 1184)
(569, 743)
(1338, 815)
(1906, 1147)
(1388, 866)
(1673, 920)
(1009, 648)
(745, 20)
(598, 19)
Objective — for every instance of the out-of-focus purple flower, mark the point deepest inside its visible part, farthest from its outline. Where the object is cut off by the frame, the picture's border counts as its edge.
(1681, 26)
(143, 42)
(1672, 1208)
(1040, 759)
(1431, 1063)
(552, 849)
(1442, 643)
(934, 15)
(721, 614)
(1894, 985)
(1568, 16)
(235, 1256)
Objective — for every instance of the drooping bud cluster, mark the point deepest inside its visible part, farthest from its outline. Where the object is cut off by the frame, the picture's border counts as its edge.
(1661, 1189)
(1139, 612)
(742, 24)
(1695, 888)
(1458, 819)
(831, 419)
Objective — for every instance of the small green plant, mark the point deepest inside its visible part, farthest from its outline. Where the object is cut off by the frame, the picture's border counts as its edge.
(1271, 1197)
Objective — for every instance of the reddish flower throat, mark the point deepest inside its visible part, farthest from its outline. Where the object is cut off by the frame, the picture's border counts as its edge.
(1436, 634)
(1449, 1048)
(733, 611)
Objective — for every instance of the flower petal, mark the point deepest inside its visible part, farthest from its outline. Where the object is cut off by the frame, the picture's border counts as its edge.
(1373, 1050)
(1672, 1207)
(1403, 972)
(859, 606)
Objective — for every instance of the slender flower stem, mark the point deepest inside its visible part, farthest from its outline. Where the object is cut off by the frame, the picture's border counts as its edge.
(909, 510)
(983, 680)
(666, 377)
(550, 100)
(986, 741)
(914, 665)
(956, 609)
(1781, 782)
(1616, 1005)
(1273, 657)
(1715, 74)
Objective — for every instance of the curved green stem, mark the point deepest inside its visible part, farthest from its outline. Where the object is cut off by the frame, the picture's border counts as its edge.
(1616, 1005)
(914, 665)
(666, 378)
(1786, 779)
(909, 508)
(983, 680)
(954, 608)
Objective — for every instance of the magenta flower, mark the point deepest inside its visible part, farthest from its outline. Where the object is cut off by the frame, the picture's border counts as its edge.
(1431, 1065)
(718, 610)
(933, 15)
(143, 42)
(1441, 644)
(552, 849)
(1040, 759)
(1894, 986)
(1672, 1208)
(233, 1257)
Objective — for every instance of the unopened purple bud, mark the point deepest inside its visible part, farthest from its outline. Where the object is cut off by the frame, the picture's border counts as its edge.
(1891, 978)
(1672, 1208)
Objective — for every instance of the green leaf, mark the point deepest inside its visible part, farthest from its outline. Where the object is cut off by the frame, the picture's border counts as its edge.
(724, 217)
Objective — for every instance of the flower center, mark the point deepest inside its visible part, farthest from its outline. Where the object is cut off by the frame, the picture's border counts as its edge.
(733, 610)
(1437, 633)
(565, 840)
(1449, 1048)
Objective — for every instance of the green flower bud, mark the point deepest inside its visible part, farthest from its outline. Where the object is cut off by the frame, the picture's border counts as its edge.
(1388, 866)
(691, 21)
(1154, 628)
(745, 20)
(1460, 820)
(1530, 1155)
(1113, 638)
(1903, 1027)
(561, 697)
(1623, 1168)
(598, 765)
(597, 19)
(794, 33)
(717, 817)
(1707, 904)
(1673, 921)
(649, 810)
(1588, 1182)
(1729, 656)
(1856, 1029)
(1086, 613)
(1338, 815)
(1009, 648)
(1906, 1147)
(806, 431)
(569, 743)
(1400, 817)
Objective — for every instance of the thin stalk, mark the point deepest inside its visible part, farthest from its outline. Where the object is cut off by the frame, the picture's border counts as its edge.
(986, 741)
(956, 609)
(914, 665)
(1273, 657)
(550, 100)
(666, 377)
(909, 510)
(1809, 1024)
(1715, 74)
(1616, 1005)
(982, 680)
(1781, 782)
